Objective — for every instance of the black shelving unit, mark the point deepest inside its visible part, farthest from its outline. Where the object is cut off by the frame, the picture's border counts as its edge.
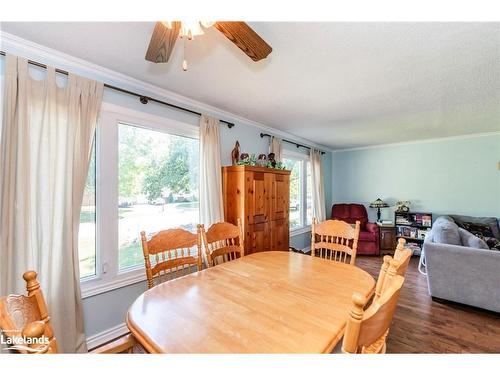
(413, 226)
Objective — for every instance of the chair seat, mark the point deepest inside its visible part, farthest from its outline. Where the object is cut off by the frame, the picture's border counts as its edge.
(367, 236)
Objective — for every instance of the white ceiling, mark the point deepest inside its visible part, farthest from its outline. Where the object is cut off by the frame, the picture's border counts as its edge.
(337, 84)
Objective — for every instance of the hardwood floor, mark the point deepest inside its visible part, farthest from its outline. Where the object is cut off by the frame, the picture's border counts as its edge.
(422, 325)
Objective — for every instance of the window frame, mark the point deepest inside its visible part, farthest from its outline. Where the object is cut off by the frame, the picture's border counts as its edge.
(304, 159)
(108, 276)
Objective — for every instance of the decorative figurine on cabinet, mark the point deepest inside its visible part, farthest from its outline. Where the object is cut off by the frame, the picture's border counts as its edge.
(235, 153)
(271, 159)
(262, 160)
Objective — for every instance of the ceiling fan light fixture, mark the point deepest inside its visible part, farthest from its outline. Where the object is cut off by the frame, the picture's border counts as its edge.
(190, 29)
(239, 33)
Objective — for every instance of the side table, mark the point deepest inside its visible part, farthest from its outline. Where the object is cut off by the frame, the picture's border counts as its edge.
(387, 239)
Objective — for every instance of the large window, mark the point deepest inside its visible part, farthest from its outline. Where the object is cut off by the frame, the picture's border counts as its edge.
(300, 190)
(158, 187)
(144, 173)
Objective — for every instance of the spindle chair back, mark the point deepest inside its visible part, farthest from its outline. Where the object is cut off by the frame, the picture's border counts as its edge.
(335, 240)
(223, 242)
(170, 254)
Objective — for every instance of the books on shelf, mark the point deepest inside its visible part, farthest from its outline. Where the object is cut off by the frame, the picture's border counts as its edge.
(421, 233)
(426, 220)
(416, 219)
(404, 220)
(414, 247)
(406, 231)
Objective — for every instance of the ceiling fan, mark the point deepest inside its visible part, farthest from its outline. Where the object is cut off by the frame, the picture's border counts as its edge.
(165, 35)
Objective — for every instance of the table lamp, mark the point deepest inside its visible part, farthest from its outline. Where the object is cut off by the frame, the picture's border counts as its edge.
(378, 204)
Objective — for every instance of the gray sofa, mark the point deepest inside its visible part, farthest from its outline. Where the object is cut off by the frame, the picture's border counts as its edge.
(460, 267)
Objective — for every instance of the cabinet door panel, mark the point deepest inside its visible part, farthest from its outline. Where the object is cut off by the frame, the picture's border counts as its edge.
(258, 238)
(280, 197)
(387, 239)
(257, 200)
(280, 235)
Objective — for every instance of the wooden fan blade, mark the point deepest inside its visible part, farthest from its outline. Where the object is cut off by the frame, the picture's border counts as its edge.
(245, 39)
(162, 42)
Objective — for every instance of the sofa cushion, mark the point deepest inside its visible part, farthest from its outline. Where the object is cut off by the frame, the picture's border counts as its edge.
(491, 222)
(446, 231)
(470, 240)
(367, 236)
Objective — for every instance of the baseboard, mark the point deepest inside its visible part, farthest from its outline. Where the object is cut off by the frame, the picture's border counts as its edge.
(106, 336)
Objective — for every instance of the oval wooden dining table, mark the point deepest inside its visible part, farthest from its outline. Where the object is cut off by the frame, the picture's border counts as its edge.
(267, 302)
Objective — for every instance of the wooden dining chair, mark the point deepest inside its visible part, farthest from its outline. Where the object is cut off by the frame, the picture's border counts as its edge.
(399, 263)
(27, 316)
(335, 240)
(169, 254)
(223, 242)
(367, 330)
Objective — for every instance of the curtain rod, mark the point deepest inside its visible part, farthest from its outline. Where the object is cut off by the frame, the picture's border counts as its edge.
(142, 98)
(262, 135)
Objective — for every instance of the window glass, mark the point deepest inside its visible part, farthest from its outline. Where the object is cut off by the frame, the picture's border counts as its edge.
(296, 206)
(87, 231)
(158, 187)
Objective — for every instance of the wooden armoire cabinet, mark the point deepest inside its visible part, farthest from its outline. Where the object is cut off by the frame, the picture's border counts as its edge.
(260, 198)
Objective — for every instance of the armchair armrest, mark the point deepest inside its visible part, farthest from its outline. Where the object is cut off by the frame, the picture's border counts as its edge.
(372, 227)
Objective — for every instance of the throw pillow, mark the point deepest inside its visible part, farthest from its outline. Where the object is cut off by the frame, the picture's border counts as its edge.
(493, 243)
(479, 230)
(446, 231)
(492, 222)
(469, 240)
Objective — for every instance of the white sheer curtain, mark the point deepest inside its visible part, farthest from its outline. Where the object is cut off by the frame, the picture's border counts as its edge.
(318, 191)
(275, 146)
(211, 210)
(46, 141)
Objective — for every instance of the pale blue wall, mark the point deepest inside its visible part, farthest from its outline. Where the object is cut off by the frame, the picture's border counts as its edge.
(107, 310)
(454, 176)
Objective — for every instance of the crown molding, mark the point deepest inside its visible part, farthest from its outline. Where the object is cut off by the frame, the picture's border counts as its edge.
(430, 140)
(25, 48)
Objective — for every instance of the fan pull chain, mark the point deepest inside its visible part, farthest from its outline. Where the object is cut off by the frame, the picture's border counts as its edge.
(184, 61)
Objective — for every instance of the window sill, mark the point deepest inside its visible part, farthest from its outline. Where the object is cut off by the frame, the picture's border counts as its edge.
(298, 231)
(95, 287)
